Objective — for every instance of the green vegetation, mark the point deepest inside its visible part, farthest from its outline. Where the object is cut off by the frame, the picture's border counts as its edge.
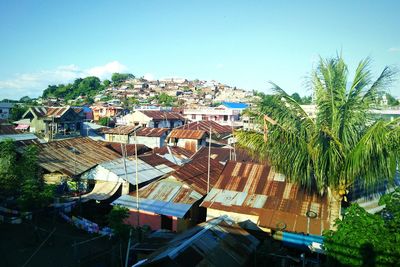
(364, 239)
(342, 144)
(105, 121)
(165, 100)
(20, 177)
(116, 219)
(119, 78)
(305, 100)
(391, 100)
(17, 111)
(88, 86)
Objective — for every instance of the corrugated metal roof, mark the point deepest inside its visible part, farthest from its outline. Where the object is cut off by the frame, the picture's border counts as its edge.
(218, 242)
(152, 132)
(155, 160)
(121, 130)
(19, 137)
(186, 134)
(58, 156)
(160, 207)
(177, 151)
(216, 128)
(223, 154)
(130, 148)
(195, 174)
(52, 112)
(102, 190)
(9, 129)
(255, 189)
(162, 115)
(146, 172)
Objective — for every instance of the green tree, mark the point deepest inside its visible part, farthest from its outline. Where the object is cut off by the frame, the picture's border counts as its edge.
(17, 111)
(9, 182)
(342, 144)
(104, 121)
(391, 100)
(166, 100)
(363, 239)
(106, 83)
(119, 78)
(296, 97)
(116, 220)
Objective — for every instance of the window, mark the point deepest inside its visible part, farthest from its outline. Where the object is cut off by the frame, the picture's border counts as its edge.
(225, 117)
(193, 116)
(204, 117)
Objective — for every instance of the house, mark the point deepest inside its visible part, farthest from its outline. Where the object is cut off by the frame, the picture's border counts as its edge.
(255, 192)
(234, 106)
(121, 134)
(221, 115)
(189, 139)
(217, 242)
(154, 119)
(105, 112)
(55, 122)
(173, 202)
(5, 110)
(127, 149)
(152, 137)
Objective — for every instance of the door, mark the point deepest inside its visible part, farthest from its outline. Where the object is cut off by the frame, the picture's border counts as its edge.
(166, 222)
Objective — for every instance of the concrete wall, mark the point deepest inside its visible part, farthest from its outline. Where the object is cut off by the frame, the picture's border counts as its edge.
(117, 138)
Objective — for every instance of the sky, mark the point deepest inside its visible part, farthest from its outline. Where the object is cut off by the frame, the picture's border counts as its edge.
(245, 44)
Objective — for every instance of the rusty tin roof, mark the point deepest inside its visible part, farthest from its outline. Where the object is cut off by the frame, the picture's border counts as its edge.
(216, 128)
(187, 134)
(152, 132)
(120, 130)
(162, 115)
(256, 189)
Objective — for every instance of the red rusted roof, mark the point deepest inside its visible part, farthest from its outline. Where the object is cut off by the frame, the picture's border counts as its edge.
(163, 115)
(187, 134)
(152, 132)
(195, 174)
(130, 148)
(9, 129)
(155, 160)
(120, 130)
(178, 151)
(216, 128)
(56, 111)
(255, 189)
(223, 154)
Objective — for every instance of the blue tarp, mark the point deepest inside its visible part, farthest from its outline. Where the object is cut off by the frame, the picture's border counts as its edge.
(235, 105)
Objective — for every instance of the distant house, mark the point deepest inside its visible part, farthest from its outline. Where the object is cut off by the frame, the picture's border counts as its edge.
(221, 115)
(217, 242)
(173, 202)
(234, 106)
(55, 122)
(255, 192)
(5, 110)
(191, 140)
(152, 137)
(105, 112)
(154, 119)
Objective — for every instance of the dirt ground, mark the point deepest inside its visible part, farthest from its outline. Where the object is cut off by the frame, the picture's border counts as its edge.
(20, 245)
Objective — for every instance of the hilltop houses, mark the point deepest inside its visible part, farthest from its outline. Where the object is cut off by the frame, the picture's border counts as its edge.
(154, 119)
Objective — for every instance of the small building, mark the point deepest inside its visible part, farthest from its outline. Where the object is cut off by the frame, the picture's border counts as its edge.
(172, 203)
(218, 131)
(255, 192)
(105, 112)
(120, 134)
(191, 140)
(5, 110)
(152, 137)
(154, 119)
(217, 242)
(221, 115)
(55, 122)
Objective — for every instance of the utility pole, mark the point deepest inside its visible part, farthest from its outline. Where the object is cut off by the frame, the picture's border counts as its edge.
(209, 162)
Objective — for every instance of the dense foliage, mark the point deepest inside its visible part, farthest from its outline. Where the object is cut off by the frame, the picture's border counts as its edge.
(364, 239)
(88, 86)
(17, 111)
(116, 219)
(20, 177)
(339, 146)
(305, 100)
(119, 78)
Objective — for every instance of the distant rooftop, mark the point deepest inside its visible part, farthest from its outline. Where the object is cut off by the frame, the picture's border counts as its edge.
(235, 105)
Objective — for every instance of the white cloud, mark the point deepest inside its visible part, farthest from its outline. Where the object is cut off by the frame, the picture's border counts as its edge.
(394, 49)
(106, 70)
(33, 84)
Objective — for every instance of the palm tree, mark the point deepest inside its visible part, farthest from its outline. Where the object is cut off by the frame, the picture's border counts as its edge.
(342, 144)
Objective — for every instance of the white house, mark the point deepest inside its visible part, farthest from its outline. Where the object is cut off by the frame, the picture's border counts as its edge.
(154, 119)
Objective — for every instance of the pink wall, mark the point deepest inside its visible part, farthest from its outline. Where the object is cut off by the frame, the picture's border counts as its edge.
(147, 218)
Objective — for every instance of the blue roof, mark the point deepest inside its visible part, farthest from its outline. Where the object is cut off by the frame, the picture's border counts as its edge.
(235, 105)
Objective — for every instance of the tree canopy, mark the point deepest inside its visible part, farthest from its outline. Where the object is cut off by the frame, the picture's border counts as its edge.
(88, 86)
(342, 144)
(119, 78)
(364, 239)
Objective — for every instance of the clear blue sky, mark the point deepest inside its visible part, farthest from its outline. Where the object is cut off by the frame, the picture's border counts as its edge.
(241, 43)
